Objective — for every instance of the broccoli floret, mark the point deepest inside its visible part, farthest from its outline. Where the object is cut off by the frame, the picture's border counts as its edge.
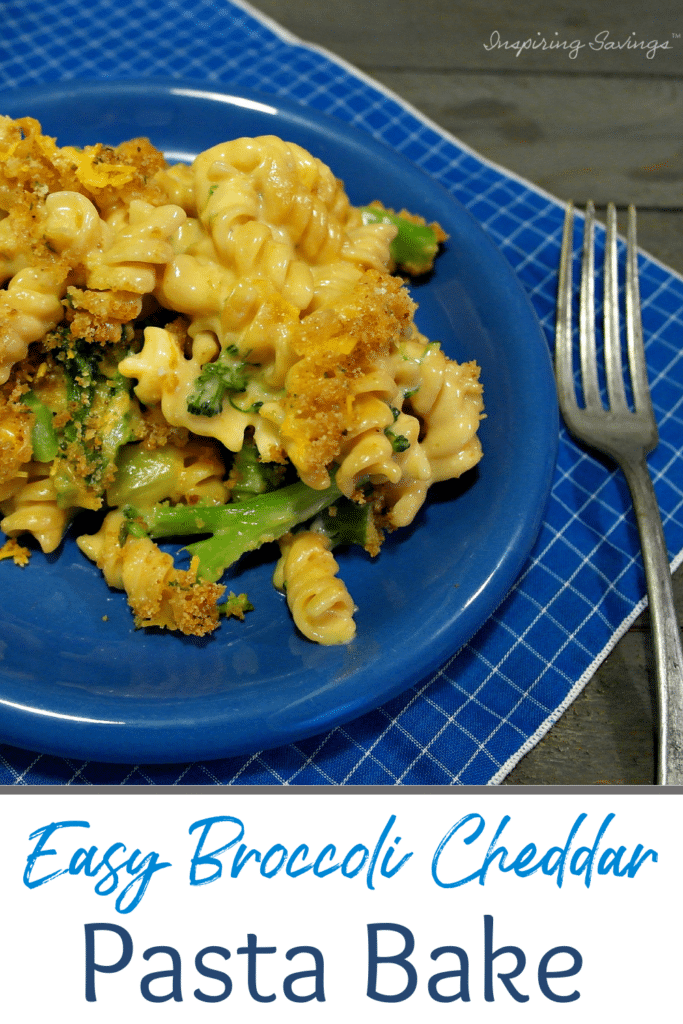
(228, 374)
(399, 442)
(235, 605)
(143, 476)
(249, 476)
(415, 245)
(43, 436)
(101, 415)
(233, 529)
(349, 522)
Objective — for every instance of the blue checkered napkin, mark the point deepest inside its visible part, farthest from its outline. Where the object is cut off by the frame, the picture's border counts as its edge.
(583, 585)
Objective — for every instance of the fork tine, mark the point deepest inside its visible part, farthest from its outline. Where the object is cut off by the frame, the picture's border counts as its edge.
(589, 372)
(613, 362)
(563, 337)
(634, 327)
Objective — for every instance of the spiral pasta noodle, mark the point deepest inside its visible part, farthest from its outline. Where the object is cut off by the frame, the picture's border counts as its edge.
(271, 212)
(30, 306)
(198, 475)
(449, 402)
(405, 496)
(166, 377)
(33, 508)
(159, 594)
(137, 245)
(72, 224)
(321, 606)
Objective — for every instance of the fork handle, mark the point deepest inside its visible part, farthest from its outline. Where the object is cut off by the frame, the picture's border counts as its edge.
(666, 636)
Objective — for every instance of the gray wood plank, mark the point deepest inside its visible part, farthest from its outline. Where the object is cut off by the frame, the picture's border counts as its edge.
(468, 34)
(591, 745)
(628, 147)
(661, 234)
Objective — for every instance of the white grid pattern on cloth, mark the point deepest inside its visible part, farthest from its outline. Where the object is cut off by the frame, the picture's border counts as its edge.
(470, 722)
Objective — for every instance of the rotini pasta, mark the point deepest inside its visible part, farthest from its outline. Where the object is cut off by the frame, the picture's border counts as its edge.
(137, 243)
(318, 600)
(158, 593)
(33, 508)
(220, 352)
(29, 307)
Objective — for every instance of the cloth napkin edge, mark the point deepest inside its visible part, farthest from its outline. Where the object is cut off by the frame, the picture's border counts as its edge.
(552, 719)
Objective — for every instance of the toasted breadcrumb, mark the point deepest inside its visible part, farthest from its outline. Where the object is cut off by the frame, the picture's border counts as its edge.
(106, 174)
(156, 432)
(337, 344)
(100, 316)
(194, 605)
(12, 549)
(171, 598)
(32, 166)
(15, 437)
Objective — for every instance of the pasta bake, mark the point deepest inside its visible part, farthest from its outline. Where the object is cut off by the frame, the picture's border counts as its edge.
(223, 352)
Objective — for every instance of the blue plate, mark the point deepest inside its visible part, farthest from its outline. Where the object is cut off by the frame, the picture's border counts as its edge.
(76, 679)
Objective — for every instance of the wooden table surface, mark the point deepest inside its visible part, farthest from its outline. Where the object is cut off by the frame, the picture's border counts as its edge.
(585, 118)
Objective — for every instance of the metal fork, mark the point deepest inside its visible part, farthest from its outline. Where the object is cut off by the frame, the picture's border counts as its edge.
(627, 436)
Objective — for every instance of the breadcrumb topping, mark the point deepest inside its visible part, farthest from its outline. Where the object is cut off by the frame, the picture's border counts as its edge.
(337, 345)
(12, 549)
